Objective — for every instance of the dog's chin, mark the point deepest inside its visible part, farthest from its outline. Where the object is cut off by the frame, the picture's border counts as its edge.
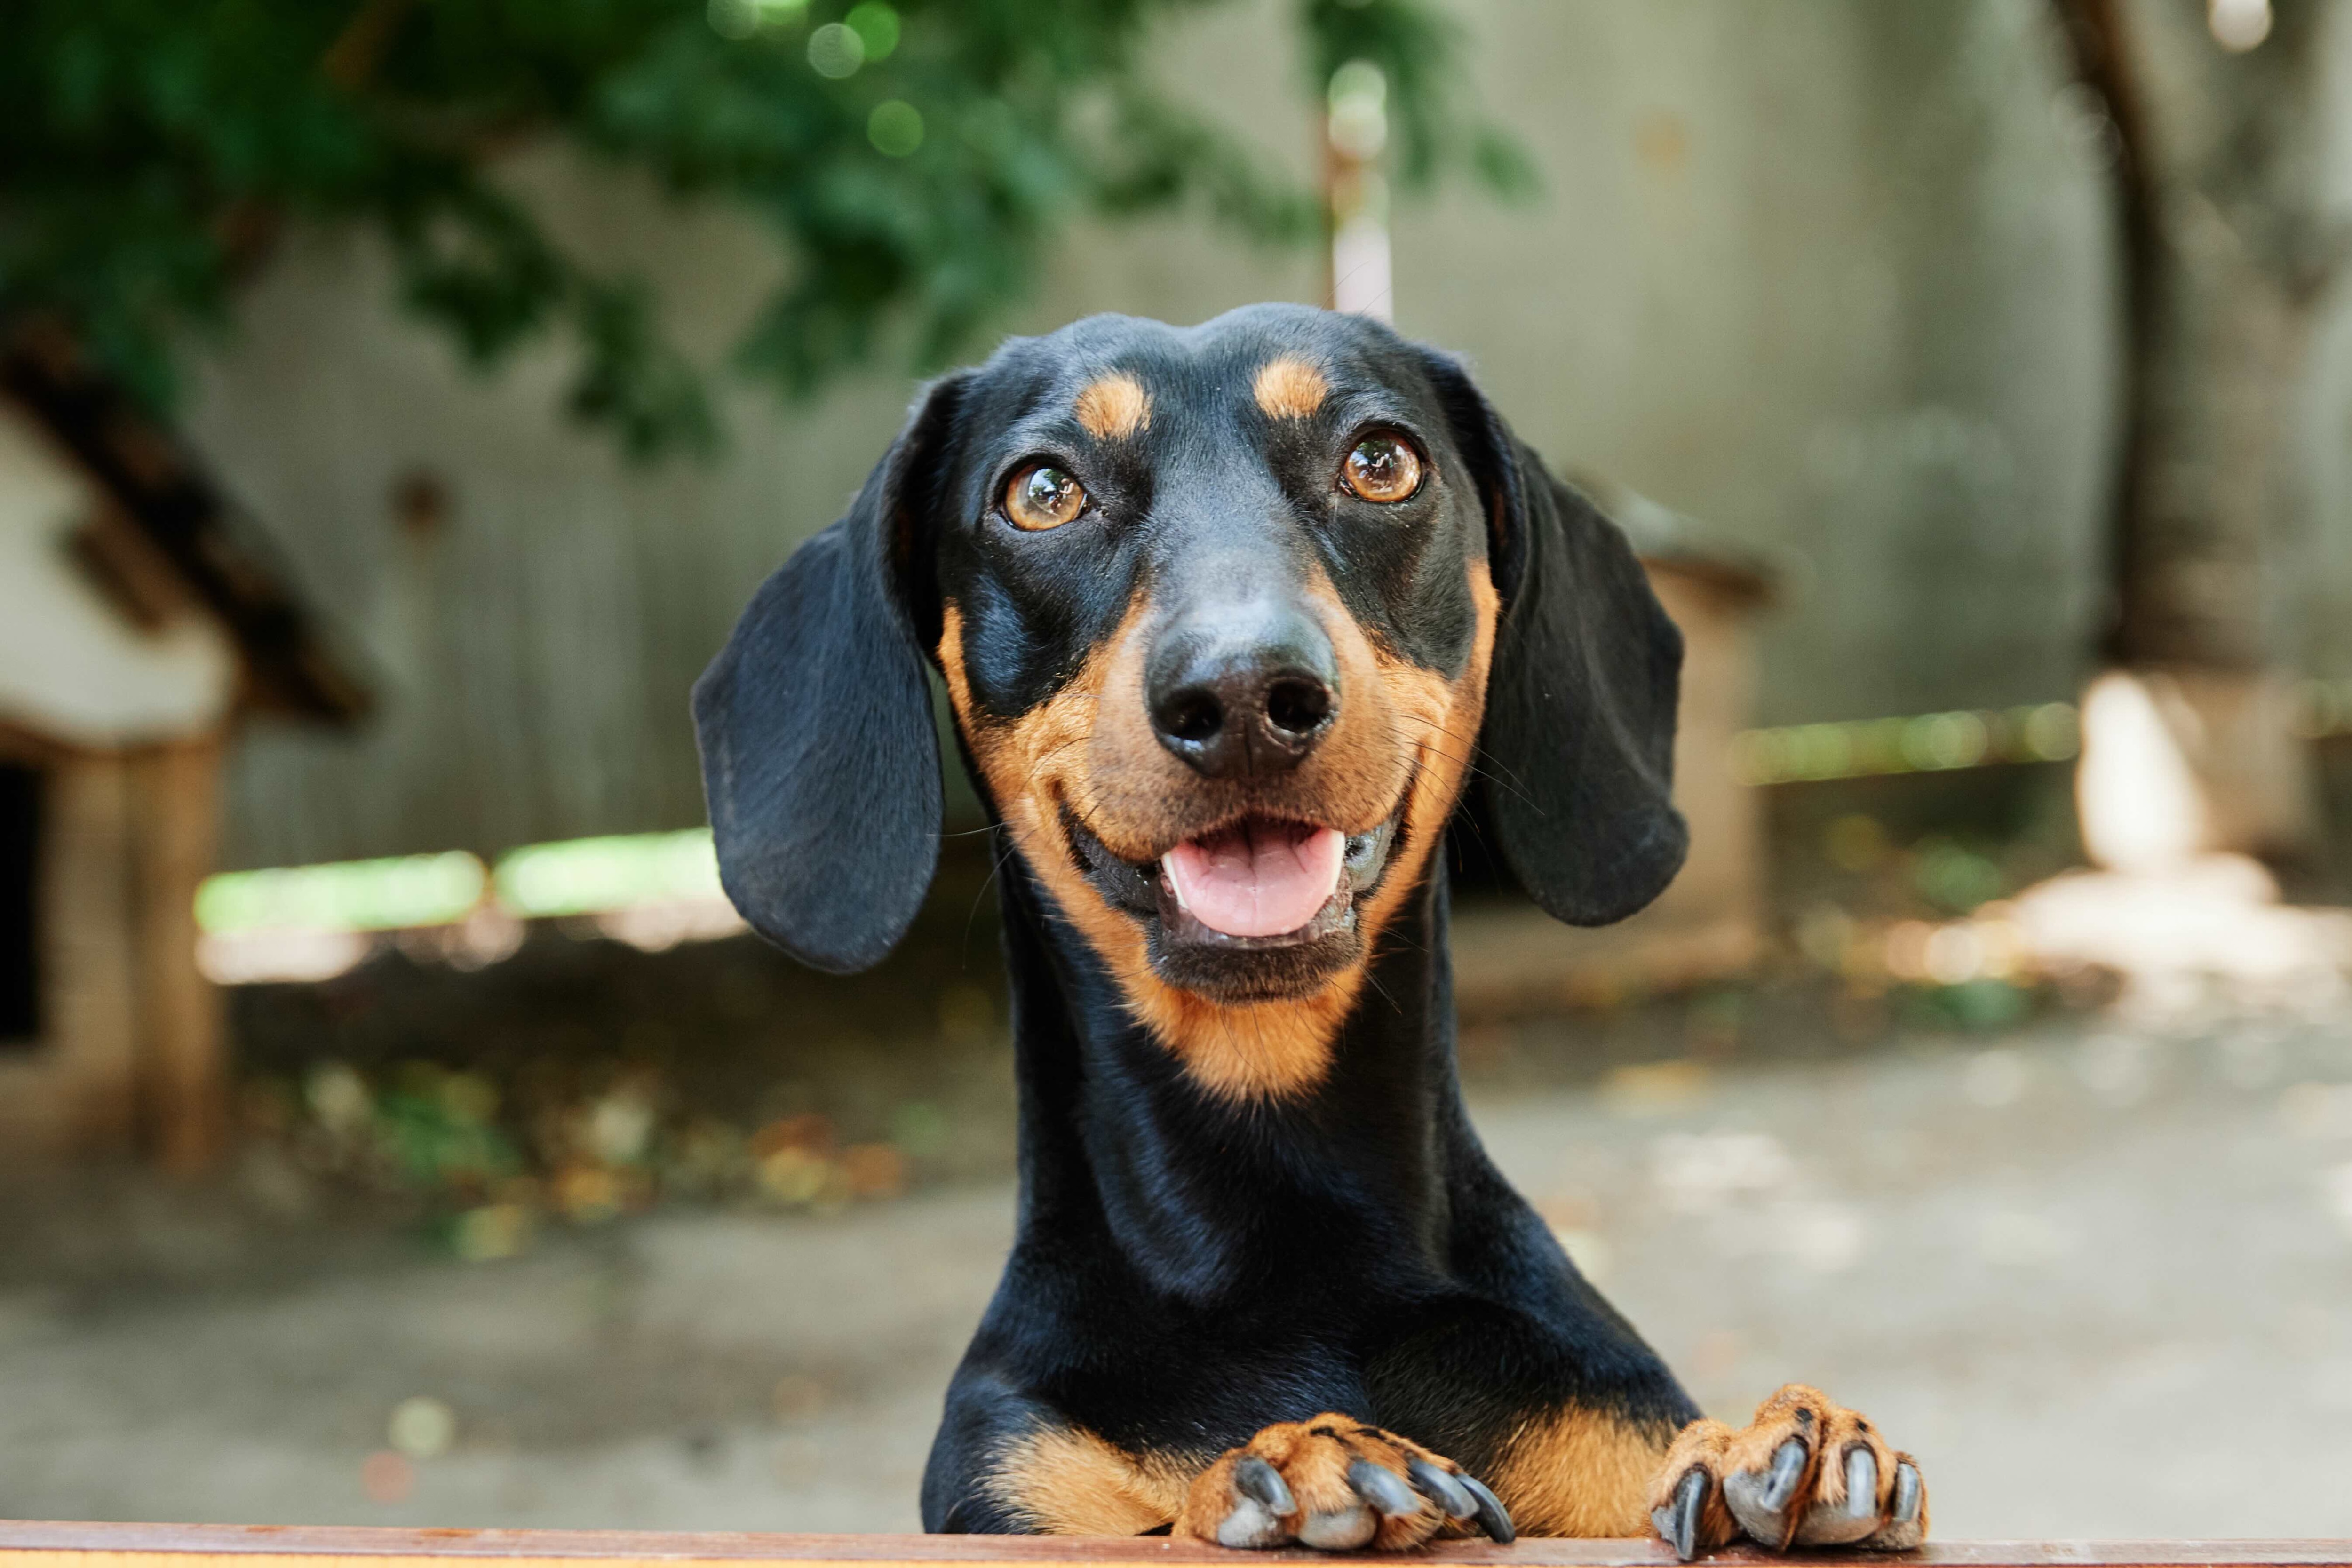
(1193, 955)
(1237, 970)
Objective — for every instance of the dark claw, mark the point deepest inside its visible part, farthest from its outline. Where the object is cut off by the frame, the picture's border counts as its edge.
(1678, 1522)
(1493, 1518)
(1788, 1465)
(1861, 1484)
(1906, 1493)
(1384, 1490)
(1262, 1483)
(1440, 1488)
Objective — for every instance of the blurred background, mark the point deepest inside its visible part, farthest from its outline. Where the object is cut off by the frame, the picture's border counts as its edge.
(399, 398)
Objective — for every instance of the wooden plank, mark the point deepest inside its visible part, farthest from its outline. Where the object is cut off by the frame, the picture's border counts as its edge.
(71, 1545)
(183, 1059)
(90, 958)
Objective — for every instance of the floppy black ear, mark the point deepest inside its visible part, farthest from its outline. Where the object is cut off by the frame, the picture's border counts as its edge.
(1577, 755)
(820, 764)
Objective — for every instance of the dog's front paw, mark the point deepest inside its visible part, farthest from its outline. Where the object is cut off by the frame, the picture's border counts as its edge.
(1337, 1485)
(1805, 1472)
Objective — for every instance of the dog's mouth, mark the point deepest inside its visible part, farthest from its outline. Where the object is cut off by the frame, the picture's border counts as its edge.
(1259, 908)
(1265, 882)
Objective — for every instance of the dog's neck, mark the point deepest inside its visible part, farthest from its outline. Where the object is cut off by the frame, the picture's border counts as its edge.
(1122, 1147)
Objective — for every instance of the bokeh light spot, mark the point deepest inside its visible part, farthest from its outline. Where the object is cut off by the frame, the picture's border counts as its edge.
(1358, 107)
(739, 20)
(421, 1427)
(386, 1476)
(877, 26)
(2238, 25)
(734, 18)
(1855, 842)
(836, 51)
(895, 127)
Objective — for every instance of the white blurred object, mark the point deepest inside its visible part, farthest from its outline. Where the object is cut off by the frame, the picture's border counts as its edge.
(71, 664)
(1698, 1173)
(2180, 762)
(2186, 927)
(658, 927)
(486, 936)
(2209, 929)
(422, 1427)
(1360, 283)
(293, 955)
(2238, 25)
(1356, 132)
(2140, 804)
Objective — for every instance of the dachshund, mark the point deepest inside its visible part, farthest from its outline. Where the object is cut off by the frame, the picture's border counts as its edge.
(1233, 621)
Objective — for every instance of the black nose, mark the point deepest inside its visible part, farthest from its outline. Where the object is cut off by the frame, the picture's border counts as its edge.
(1245, 694)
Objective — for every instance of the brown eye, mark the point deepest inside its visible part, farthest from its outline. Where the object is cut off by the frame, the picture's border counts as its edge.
(1382, 469)
(1043, 497)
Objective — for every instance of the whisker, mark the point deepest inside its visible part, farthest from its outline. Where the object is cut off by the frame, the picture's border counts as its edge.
(974, 916)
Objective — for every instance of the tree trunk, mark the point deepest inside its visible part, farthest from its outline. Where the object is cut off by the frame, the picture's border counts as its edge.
(2216, 160)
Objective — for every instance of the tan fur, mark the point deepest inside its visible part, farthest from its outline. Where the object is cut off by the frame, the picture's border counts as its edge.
(1114, 406)
(1064, 1480)
(1090, 747)
(1702, 1444)
(1313, 1458)
(1209, 1500)
(1288, 388)
(1830, 1431)
(1578, 1472)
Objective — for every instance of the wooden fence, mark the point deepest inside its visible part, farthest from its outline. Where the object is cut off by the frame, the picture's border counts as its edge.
(33, 1546)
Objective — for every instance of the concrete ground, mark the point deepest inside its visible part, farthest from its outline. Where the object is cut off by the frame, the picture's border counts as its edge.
(2099, 1282)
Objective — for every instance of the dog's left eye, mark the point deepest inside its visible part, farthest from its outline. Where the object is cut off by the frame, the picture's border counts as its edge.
(1381, 468)
(1043, 497)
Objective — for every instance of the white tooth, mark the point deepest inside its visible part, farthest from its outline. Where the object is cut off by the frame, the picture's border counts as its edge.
(1174, 886)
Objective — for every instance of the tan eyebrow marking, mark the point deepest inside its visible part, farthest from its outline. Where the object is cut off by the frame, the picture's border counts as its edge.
(1290, 388)
(1114, 405)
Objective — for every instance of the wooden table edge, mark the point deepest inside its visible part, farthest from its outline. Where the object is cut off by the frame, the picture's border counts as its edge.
(74, 1544)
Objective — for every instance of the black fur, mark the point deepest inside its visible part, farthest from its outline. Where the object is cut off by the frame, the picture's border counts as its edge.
(1189, 1269)
(820, 764)
(1578, 746)
(1186, 1272)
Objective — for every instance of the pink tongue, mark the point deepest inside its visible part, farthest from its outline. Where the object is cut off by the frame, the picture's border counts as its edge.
(1257, 879)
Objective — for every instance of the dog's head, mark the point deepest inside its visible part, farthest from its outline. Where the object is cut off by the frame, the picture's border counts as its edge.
(1228, 616)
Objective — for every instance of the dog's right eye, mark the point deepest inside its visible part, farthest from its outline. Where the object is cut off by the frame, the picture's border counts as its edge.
(1042, 496)
(1381, 468)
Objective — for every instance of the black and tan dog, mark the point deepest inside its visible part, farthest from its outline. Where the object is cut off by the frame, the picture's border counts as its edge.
(1232, 619)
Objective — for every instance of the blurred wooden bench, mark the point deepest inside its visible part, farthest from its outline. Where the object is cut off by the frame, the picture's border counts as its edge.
(33, 1546)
